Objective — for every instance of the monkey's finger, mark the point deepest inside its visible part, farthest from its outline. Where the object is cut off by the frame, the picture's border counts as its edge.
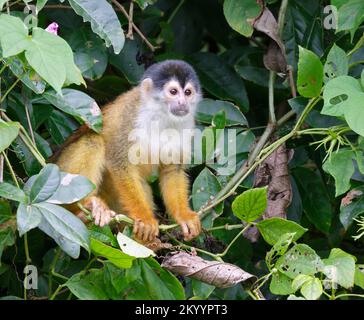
(185, 231)
(140, 232)
(136, 227)
(147, 232)
(97, 216)
(155, 232)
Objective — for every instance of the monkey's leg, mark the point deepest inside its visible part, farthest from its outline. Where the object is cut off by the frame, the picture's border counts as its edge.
(174, 187)
(87, 157)
(136, 201)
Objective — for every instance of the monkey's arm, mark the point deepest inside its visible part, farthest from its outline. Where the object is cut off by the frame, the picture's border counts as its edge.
(174, 187)
(86, 157)
(136, 201)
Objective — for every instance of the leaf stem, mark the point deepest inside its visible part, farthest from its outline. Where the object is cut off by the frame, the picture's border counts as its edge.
(9, 90)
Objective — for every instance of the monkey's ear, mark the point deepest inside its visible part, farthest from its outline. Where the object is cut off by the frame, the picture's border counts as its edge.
(147, 85)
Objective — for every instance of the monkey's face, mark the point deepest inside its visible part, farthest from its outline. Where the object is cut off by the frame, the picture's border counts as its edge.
(180, 101)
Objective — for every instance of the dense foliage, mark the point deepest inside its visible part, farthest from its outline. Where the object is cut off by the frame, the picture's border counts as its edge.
(250, 65)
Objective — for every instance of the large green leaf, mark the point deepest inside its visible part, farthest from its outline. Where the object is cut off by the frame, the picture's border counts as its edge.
(310, 74)
(8, 191)
(45, 184)
(204, 188)
(52, 58)
(62, 225)
(60, 126)
(115, 256)
(90, 53)
(72, 188)
(343, 96)
(27, 218)
(337, 63)
(13, 35)
(7, 238)
(340, 166)
(272, 229)
(240, 14)
(281, 284)
(350, 16)
(250, 205)
(300, 259)
(103, 19)
(90, 286)
(77, 104)
(312, 289)
(315, 200)
(340, 268)
(126, 61)
(220, 79)
(8, 132)
(207, 108)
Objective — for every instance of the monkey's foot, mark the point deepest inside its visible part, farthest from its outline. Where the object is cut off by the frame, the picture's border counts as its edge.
(190, 224)
(101, 214)
(146, 228)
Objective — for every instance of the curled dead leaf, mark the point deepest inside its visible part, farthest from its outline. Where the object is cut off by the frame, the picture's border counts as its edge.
(350, 196)
(218, 274)
(273, 172)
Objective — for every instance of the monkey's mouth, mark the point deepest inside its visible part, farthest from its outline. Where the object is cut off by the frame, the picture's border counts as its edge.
(179, 111)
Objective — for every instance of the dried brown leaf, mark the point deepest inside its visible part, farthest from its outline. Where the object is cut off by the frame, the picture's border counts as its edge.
(275, 57)
(350, 196)
(218, 274)
(273, 172)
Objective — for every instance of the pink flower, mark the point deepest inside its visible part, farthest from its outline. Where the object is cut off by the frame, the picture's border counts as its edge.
(53, 28)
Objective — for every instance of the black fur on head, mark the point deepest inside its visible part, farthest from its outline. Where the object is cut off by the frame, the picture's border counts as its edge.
(162, 72)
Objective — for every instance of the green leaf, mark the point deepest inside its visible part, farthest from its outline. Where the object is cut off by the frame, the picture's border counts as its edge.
(144, 3)
(115, 256)
(340, 268)
(52, 58)
(204, 188)
(8, 191)
(240, 14)
(103, 19)
(88, 286)
(45, 184)
(5, 211)
(350, 16)
(281, 284)
(279, 249)
(310, 74)
(343, 96)
(300, 259)
(312, 289)
(337, 64)
(207, 108)
(315, 201)
(60, 126)
(126, 61)
(273, 228)
(159, 288)
(8, 132)
(220, 79)
(300, 280)
(201, 289)
(77, 104)
(90, 53)
(27, 218)
(72, 188)
(7, 239)
(359, 276)
(58, 221)
(13, 35)
(250, 205)
(26, 74)
(340, 166)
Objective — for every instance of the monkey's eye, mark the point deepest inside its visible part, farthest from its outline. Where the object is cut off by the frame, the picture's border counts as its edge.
(173, 92)
(188, 92)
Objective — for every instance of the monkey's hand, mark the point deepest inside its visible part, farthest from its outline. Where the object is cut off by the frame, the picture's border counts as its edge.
(100, 211)
(146, 228)
(190, 224)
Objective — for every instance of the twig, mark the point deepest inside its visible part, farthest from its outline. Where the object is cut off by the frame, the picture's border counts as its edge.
(129, 35)
(125, 13)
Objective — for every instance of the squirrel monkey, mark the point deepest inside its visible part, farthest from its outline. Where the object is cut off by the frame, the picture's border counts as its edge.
(166, 97)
